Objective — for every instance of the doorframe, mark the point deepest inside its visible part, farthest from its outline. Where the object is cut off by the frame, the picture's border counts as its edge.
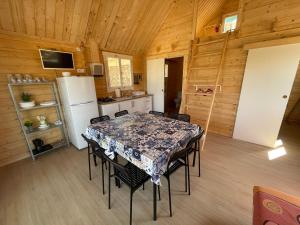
(169, 55)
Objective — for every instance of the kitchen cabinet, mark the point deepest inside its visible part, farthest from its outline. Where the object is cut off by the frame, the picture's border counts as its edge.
(126, 105)
(109, 109)
(142, 104)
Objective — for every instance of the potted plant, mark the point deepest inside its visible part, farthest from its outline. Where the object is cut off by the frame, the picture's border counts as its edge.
(26, 100)
(28, 125)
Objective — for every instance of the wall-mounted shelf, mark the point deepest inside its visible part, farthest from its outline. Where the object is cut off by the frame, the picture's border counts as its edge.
(30, 135)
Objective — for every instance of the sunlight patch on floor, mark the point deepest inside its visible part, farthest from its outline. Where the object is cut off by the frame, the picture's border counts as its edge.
(278, 151)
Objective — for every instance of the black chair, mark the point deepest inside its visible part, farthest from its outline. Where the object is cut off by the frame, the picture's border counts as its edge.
(196, 148)
(178, 160)
(99, 119)
(129, 174)
(181, 117)
(97, 151)
(121, 113)
(156, 113)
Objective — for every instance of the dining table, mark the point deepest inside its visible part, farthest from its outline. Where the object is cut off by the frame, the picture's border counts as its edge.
(146, 140)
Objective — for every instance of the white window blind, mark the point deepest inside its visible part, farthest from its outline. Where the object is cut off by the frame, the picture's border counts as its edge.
(118, 71)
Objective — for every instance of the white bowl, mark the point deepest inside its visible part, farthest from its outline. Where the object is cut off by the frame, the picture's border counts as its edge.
(27, 104)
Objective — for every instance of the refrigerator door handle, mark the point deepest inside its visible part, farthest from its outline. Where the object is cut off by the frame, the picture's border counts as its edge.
(82, 103)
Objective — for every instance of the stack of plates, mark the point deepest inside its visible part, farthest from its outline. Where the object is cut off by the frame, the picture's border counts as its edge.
(48, 103)
(44, 126)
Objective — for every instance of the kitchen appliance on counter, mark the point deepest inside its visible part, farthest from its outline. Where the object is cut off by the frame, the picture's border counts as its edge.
(105, 100)
(79, 102)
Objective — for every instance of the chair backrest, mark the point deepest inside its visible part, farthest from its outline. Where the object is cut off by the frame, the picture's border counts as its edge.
(188, 147)
(95, 146)
(156, 113)
(99, 119)
(121, 113)
(181, 117)
(184, 117)
(272, 207)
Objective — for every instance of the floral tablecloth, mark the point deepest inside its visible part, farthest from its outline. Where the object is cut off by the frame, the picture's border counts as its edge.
(145, 140)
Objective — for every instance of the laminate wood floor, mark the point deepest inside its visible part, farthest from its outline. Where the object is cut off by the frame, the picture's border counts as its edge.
(55, 189)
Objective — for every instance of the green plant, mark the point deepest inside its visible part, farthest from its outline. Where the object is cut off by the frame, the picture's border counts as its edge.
(26, 97)
(28, 123)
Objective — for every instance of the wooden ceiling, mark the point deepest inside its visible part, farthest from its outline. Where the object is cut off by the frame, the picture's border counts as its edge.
(117, 25)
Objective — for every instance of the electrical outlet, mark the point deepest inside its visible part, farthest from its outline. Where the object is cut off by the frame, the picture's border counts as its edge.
(80, 70)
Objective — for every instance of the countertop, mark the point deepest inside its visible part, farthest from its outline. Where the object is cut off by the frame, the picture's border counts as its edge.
(122, 99)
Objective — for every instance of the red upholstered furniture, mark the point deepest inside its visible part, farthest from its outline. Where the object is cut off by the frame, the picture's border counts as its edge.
(272, 207)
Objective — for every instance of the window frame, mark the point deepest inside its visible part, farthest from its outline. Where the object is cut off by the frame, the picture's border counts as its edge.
(106, 55)
(229, 15)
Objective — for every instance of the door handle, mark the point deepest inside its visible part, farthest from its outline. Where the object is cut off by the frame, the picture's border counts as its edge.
(284, 96)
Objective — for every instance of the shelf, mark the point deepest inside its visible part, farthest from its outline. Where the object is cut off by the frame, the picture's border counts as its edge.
(64, 140)
(37, 130)
(55, 145)
(27, 84)
(38, 107)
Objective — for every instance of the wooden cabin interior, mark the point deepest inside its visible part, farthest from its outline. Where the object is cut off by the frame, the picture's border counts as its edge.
(220, 77)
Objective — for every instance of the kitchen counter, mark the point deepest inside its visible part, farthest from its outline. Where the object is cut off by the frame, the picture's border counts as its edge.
(122, 99)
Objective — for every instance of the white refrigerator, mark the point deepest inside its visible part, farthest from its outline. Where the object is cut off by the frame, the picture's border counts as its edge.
(79, 102)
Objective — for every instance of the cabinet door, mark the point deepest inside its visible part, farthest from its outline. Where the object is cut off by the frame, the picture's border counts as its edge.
(139, 105)
(110, 109)
(126, 105)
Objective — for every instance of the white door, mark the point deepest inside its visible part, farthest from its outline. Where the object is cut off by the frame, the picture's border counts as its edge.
(268, 80)
(156, 82)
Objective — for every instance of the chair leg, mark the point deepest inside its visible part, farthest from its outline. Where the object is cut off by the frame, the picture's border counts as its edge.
(95, 161)
(185, 179)
(188, 173)
(130, 220)
(199, 163)
(89, 160)
(194, 158)
(102, 169)
(199, 151)
(143, 186)
(170, 200)
(158, 188)
(108, 185)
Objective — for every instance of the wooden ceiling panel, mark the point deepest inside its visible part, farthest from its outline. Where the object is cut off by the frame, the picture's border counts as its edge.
(117, 25)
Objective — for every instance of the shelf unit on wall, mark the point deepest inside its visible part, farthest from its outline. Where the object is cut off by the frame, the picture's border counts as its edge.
(30, 135)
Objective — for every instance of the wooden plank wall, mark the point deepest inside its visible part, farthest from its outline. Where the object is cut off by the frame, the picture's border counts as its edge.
(19, 54)
(260, 20)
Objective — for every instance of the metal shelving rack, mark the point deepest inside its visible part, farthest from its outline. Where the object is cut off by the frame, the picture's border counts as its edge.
(29, 134)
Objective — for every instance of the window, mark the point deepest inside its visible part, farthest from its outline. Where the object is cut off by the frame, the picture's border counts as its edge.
(118, 71)
(230, 22)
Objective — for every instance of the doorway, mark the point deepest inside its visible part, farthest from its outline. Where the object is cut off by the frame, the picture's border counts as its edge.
(173, 84)
(290, 127)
